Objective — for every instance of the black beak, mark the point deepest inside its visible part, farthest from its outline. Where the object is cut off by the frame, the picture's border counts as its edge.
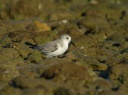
(73, 44)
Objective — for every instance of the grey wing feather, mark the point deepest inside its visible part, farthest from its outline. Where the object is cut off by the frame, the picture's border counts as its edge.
(48, 47)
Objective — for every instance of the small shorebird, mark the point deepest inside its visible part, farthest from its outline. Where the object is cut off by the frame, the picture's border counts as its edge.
(55, 48)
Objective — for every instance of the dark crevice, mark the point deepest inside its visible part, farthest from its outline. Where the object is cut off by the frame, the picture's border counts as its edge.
(124, 51)
(126, 39)
(105, 74)
(47, 76)
(90, 31)
(116, 44)
(123, 14)
(102, 61)
(83, 14)
(115, 88)
(13, 84)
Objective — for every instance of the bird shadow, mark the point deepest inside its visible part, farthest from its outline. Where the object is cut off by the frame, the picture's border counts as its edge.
(30, 45)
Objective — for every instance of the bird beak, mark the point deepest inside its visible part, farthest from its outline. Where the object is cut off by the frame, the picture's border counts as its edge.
(73, 44)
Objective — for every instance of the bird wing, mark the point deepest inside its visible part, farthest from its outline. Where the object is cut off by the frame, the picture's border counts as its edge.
(48, 47)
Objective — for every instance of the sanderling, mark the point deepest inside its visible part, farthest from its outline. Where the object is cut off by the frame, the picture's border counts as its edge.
(55, 48)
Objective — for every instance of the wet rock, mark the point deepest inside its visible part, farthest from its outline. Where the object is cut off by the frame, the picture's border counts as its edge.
(38, 27)
(113, 45)
(124, 51)
(98, 66)
(18, 35)
(21, 8)
(5, 41)
(24, 82)
(60, 15)
(120, 34)
(94, 64)
(98, 86)
(33, 85)
(73, 31)
(94, 2)
(91, 23)
(10, 90)
(122, 58)
(62, 91)
(119, 73)
(3, 85)
(38, 91)
(67, 73)
(43, 37)
(48, 63)
(21, 48)
(113, 92)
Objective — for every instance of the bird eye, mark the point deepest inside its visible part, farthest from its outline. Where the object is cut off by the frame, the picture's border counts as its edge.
(67, 38)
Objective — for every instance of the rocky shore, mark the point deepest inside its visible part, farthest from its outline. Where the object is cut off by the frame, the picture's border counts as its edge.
(98, 65)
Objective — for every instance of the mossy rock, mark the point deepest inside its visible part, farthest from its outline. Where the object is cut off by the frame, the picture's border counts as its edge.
(8, 72)
(8, 53)
(35, 56)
